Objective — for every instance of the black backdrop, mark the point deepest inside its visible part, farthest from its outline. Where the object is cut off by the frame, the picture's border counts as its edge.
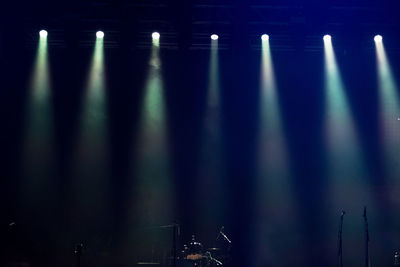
(46, 235)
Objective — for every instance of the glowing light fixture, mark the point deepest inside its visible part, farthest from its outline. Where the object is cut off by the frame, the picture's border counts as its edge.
(43, 33)
(100, 34)
(265, 37)
(214, 37)
(155, 36)
(378, 38)
(327, 38)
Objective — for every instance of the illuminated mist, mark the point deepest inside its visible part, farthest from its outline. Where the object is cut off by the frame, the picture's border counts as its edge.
(210, 181)
(38, 144)
(347, 174)
(274, 206)
(389, 114)
(153, 195)
(91, 192)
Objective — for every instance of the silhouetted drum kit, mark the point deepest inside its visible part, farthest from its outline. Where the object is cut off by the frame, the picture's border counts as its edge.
(194, 253)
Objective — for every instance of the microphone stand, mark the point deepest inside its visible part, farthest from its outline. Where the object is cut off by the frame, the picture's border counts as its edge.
(174, 240)
(78, 252)
(366, 237)
(340, 241)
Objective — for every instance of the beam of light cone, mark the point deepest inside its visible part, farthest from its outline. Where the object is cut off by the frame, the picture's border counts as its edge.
(91, 198)
(340, 134)
(153, 188)
(274, 193)
(94, 116)
(346, 171)
(210, 172)
(389, 112)
(340, 129)
(38, 143)
(213, 79)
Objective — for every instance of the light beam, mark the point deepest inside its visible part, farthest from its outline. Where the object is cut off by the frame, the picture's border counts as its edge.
(211, 203)
(91, 185)
(346, 171)
(153, 191)
(389, 112)
(38, 144)
(273, 204)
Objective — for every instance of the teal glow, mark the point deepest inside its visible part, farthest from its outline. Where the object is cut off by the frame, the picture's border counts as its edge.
(274, 205)
(340, 133)
(39, 130)
(38, 143)
(91, 198)
(214, 77)
(389, 112)
(94, 117)
(153, 192)
(210, 171)
(348, 185)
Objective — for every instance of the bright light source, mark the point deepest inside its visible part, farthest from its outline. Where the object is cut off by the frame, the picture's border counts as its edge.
(265, 37)
(214, 37)
(327, 38)
(43, 33)
(100, 34)
(155, 36)
(378, 38)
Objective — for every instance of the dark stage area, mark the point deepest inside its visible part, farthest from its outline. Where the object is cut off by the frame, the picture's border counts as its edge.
(199, 133)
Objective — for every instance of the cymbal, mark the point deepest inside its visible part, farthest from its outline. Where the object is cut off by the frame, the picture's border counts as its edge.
(214, 249)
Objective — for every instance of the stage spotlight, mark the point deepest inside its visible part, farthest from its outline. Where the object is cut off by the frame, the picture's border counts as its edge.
(43, 33)
(214, 37)
(327, 38)
(378, 38)
(265, 37)
(155, 36)
(100, 34)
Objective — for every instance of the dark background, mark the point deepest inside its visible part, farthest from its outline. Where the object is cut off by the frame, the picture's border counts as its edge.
(47, 229)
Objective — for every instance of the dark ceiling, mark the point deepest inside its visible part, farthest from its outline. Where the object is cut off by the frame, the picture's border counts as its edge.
(188, 24)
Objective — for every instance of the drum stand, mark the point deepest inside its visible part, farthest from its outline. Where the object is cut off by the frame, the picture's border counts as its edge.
(78, 252)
